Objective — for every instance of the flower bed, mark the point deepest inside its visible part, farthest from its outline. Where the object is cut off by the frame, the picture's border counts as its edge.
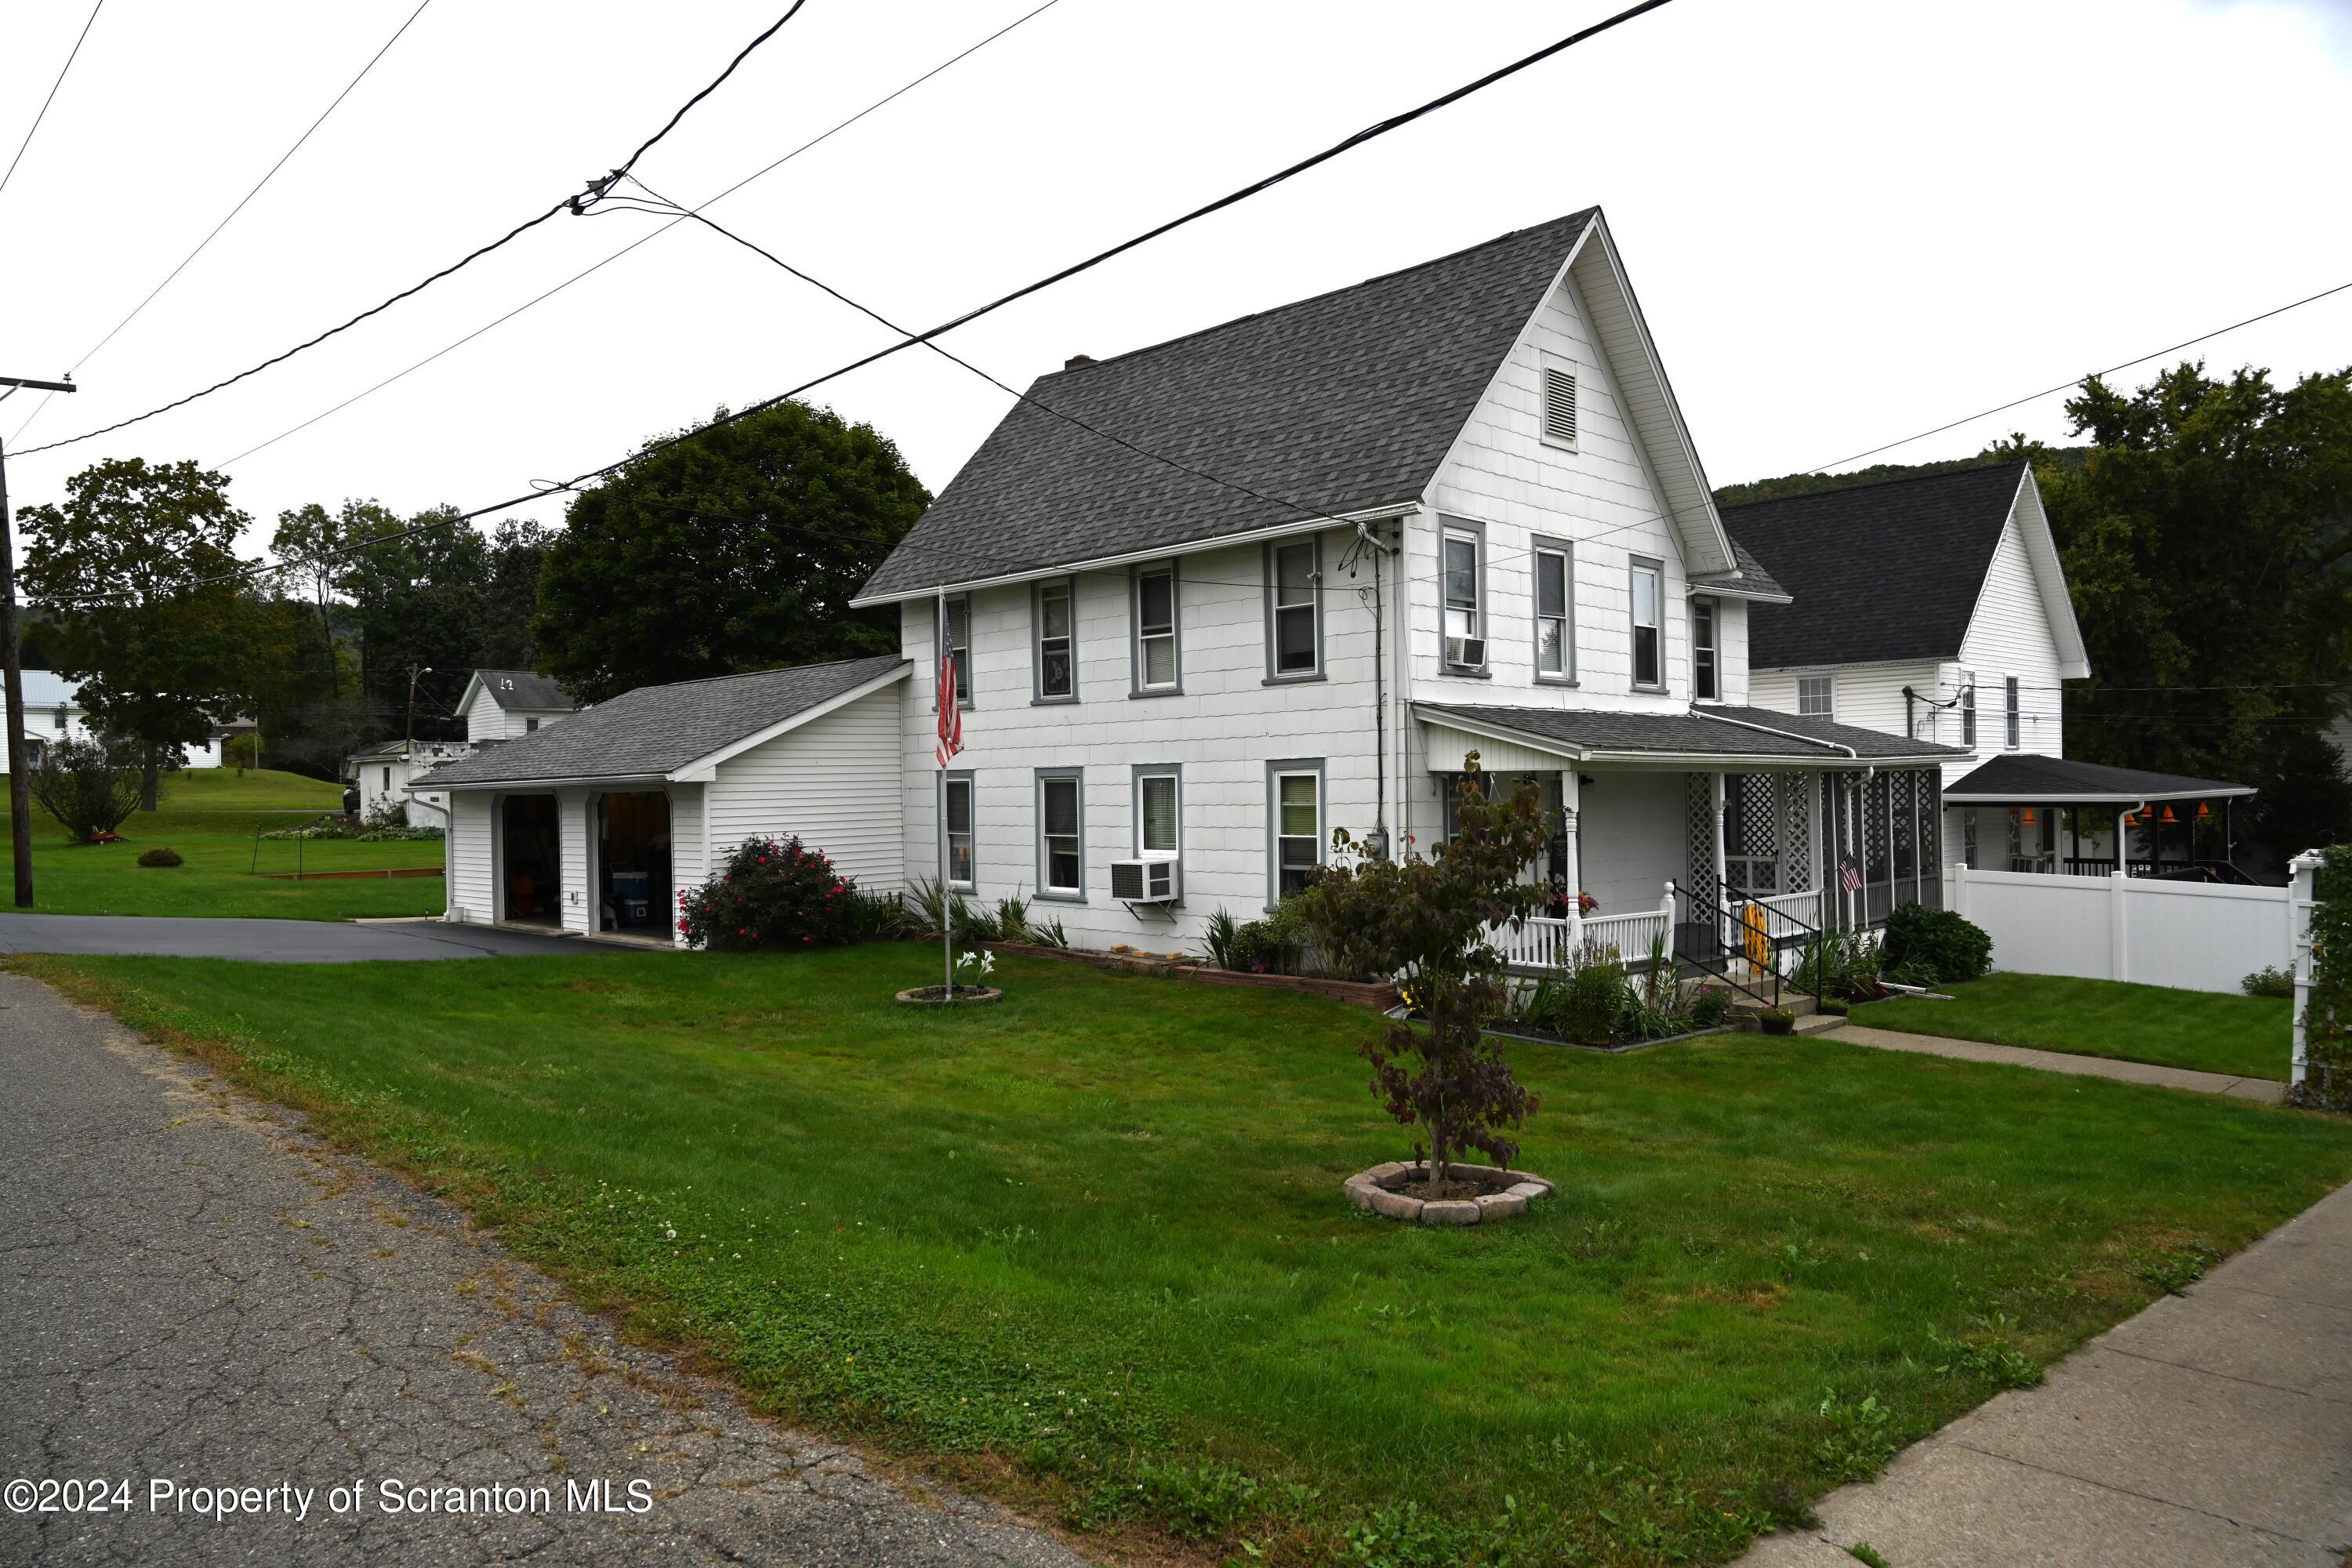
(1377, 995)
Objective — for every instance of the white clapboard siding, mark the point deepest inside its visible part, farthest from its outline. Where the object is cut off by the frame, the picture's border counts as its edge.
(575, 825)
(2189, 935)
(468, 855)
(833, 780)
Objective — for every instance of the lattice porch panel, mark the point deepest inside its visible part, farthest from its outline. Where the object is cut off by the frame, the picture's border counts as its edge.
(1700, 796)
(1903, 795)
(1796, 831)
(1759, 829)
(1931, 820)
(1874, 828)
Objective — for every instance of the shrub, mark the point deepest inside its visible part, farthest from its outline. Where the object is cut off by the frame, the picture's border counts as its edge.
(90, 787)
(1942, 943)
(1710, 1008)
(880, 917)
(1012, 919)
(2327, 1015)
(388, 812)
(1218, 944)
(770, 895)
(1840, 963)
(1428, 918)
(1591, 1001)
(162, 856)
(242, 750)
(2271, 982)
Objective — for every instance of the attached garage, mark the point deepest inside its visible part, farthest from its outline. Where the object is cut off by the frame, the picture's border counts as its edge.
(593, 826)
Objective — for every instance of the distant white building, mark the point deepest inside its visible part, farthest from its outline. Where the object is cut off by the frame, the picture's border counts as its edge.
(54, 712)
(505, 704)
(383, 775)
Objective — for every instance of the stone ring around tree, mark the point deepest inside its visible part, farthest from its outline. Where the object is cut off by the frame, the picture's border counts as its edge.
(1486, 1193)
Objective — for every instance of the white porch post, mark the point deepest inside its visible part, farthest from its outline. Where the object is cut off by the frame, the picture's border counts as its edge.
(1574, 869)
(2300, 871)
(1722, 887)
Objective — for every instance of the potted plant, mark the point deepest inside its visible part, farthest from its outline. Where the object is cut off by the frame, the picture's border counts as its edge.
(1777, 1021)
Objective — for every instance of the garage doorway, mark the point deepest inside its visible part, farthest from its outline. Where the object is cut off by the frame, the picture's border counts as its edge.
(527, 860)
(632, 862)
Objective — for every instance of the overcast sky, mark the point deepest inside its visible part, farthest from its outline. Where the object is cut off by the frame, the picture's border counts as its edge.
(1846, 221)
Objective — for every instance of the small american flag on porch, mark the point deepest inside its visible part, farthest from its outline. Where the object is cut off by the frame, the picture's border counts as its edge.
(1849, 874)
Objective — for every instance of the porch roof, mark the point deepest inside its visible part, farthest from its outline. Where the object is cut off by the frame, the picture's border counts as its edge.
(2025, 779)
(1712, 735)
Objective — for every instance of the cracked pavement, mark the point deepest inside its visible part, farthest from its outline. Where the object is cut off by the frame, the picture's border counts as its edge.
(196, 1290)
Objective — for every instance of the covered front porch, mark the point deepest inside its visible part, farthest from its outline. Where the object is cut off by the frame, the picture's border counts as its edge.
(2052, 815)
(1711, 838)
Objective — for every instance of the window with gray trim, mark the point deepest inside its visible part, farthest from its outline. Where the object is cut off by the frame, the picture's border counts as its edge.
(1462, 578)
(958, 637)
(1157, 666)
(1294, 608)
(1295, 824)
(1055, 610)
(956, 810)
(1705, 686)
(1159, 813)
(1817, 696)
(1061, 834)
(1648, 582)
(1968, 708)
(2010, 711)
(1555, 614)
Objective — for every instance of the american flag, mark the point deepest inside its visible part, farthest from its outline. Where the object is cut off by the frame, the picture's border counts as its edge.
(950, 710)
(1849, 875)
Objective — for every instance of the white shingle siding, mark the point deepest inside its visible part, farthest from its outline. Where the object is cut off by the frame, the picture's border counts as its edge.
(2010, 636)
(1221, 731)
(467, 857)
(833, 781)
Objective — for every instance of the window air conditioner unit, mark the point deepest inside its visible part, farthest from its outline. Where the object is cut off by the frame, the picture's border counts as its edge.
(1146, 881)
(1467, 653)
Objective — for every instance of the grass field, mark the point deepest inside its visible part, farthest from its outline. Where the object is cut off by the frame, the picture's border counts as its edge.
(209, 815)
(1087, 1248)
(2248, 1036)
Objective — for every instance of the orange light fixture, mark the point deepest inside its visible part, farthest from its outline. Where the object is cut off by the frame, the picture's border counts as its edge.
(2204, 810)
(2169, 817)
(2028, 818)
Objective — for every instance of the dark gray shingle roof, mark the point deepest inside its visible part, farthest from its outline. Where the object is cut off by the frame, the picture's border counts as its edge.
(2024, 778)
(1878, 571)
(1338, 403)
(1752, 576)
(656, 730)
(524, 688)
(1700, 732)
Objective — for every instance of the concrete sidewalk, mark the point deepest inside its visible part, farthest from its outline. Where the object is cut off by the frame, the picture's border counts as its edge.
(2269, 1090)
(2212, 1430)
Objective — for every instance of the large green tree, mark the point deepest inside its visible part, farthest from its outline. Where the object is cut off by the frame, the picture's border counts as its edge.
(2208, 541)
(136, 573)
(736, 548)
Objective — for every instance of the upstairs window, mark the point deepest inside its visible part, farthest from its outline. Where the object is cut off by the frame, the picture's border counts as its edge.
(1555, 629)
(1155, 630)
(1705, 686)
(61, 721)
(1559, 406)
(1969, 709)
(1294, 608)
(1817, 696)
(2015, 722)
(1466, 616)
(1056, 674)
(1061, 837)
(531, 726)
(1649, 639)
(957, 637)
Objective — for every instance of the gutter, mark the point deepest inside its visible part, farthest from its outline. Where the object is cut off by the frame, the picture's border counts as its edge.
(1784, 734)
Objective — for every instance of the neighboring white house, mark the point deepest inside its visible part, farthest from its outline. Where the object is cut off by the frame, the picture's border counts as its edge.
(53, 712)
(502, 704)
(383, 775)
(592, 824)
(1448, 510)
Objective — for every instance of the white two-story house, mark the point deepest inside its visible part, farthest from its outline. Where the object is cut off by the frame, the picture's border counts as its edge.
(1212, 599)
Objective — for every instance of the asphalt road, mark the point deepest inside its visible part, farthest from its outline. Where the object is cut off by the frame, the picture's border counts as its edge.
(272, 942)
(195, 1294)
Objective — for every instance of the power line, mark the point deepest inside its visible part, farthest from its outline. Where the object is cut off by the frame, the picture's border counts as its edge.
(2066, 385)
(44, 113)
(549, 293)
(578, 202)
(91, 352)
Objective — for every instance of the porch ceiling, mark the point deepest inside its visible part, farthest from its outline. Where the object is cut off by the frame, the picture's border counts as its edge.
(1715, 737)
(2025, 779)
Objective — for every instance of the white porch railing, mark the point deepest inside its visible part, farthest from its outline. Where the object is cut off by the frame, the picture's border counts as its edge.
(1546, 942)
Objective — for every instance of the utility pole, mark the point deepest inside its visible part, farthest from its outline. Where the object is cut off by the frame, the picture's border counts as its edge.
(20, 793)
(409, 741)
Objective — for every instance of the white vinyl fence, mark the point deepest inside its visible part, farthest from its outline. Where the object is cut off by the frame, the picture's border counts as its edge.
(2195, 936)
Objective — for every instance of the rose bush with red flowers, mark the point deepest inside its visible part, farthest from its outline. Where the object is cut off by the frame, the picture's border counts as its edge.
(769, 894)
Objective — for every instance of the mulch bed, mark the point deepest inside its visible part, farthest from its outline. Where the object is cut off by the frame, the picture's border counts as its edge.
(1379, 995)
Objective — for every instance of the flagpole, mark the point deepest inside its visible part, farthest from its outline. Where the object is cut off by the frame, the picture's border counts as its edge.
(940, 681)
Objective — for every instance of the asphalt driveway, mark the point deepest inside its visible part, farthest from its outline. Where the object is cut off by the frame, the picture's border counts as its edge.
(229, 1326)
(272, 942)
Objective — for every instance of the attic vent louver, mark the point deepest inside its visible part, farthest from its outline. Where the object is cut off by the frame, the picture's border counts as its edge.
(1560, 405)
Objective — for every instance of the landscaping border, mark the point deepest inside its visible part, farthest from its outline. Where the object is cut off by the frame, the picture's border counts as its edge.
(382, 872)
(1378, 995)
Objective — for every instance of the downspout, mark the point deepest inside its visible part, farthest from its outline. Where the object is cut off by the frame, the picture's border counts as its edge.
(1380, 698)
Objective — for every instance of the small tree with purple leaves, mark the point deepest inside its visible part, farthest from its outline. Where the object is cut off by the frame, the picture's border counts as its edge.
(1428, 919)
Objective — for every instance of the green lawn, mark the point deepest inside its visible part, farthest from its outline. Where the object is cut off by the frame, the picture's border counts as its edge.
(2249, 1036)
(1087, 1248)
(209, 815)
